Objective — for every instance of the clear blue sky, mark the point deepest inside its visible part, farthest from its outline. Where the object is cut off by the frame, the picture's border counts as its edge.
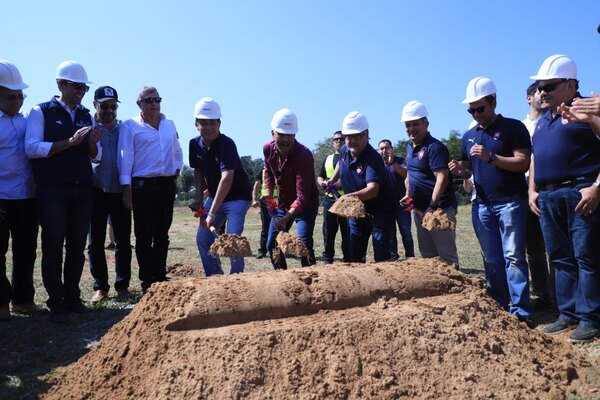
(322, 59)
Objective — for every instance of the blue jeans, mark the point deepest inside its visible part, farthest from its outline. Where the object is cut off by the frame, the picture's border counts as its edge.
(376, 225)
(234, 212)
(402, 218)
(500, 228)
(305, 226)
(573, 245)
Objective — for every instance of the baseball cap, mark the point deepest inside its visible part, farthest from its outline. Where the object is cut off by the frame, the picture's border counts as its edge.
(105, 93)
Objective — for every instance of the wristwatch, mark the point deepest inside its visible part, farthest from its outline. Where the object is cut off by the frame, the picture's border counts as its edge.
(492, 157)
(597, 184)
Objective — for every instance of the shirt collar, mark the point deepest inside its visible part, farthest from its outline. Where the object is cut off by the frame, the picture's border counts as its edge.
(3, 114)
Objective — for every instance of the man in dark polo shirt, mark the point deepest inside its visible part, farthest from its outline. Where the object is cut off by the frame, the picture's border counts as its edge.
(564, 190)
(497, 151)
(363, 174)
(60, 140)
(289, 166)
(429, 183)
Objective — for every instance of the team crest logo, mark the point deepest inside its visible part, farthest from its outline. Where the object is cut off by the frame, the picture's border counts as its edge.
(497, 135)
(109, 92)
(564, 121)
(421, 154)
(359, 169)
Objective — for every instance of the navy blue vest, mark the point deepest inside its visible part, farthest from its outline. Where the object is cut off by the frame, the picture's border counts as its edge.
(71, 166)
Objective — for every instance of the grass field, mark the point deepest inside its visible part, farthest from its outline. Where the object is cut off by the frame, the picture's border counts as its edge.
(32, 348)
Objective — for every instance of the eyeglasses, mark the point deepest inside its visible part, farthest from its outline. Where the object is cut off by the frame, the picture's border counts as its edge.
(78, 86)
(106, 107)
(550, 87)
(338, 139)
(150, 100)
(13, 97)
(355, 137)
(479, 110)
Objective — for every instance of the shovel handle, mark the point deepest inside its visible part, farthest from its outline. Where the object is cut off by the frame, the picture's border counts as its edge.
(213, 230)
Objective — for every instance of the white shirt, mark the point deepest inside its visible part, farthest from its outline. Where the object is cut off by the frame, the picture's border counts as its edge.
(530, 124)
(35, 146)
(145, 152)
(16, 178)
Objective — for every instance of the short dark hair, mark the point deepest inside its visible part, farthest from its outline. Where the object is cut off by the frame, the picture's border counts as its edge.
(386, 141)
(336, 133)
(490, 98)
(532, 88)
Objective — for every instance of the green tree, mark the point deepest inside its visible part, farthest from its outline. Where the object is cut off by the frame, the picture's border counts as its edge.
(453, 144)
(185, 181)
(400, 148)
(252, 166)
(323, 148)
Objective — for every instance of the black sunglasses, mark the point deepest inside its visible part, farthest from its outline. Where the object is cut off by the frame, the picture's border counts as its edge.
(550, 87)
(479, 110)
(105, 107)
(77, 85)
(150, 100)
(13, 97)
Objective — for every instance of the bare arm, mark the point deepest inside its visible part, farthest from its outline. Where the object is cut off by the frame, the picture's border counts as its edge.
(518, 162)
(222, 192)
(442, 178)
(367, 193)
(532, 192)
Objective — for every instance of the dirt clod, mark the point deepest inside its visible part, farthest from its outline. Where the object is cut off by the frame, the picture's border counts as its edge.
(438, 221)
(349, 206)
(291, 244)
(231, 245)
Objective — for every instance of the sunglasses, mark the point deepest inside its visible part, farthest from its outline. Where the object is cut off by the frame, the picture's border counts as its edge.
(105, 107)
(338, 139)
(78, 86)
(150, 100)
(13, 97)
(550, 87)
(479, 110)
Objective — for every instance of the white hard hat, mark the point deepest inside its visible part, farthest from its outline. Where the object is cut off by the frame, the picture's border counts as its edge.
(285, 121)
(414, 110)
(72, 71)
(478, 88)
(354, 123)
(207, 108)
(556, 66)
(10, 77)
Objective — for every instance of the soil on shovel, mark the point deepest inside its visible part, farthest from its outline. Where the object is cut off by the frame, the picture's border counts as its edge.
(231, 245)
(410, 329)
(349, 206)
(291, 244)
(438, 221)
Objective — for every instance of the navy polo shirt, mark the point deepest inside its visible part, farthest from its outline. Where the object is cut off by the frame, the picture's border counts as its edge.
(396, 179)
(493, 184)
(368, 167)
(220, 156)
(564, 150)
(422, 161)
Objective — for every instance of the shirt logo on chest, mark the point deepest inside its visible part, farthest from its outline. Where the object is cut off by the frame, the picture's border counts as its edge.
(421, 154)
(564, 121)
(497, 135)
(59, 122)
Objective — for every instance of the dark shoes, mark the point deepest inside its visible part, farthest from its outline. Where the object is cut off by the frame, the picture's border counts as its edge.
(27, 308)
(77, 307)
(584, 334)
(559, 326)
(111, 246)
(528, 321)
(98, 296)
(123, 294)
(260, 255)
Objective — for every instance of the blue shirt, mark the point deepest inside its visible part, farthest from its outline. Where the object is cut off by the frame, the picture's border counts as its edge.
(497, 185)
(106, 174)
(398, 187)
(220, 156)
(423, 160)
(564, 151)
(368, 167)
(16, 179)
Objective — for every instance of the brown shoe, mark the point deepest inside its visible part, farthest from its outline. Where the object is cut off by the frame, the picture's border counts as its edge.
(27, 308)
(123, 294)
(98, 296)
(4, 312)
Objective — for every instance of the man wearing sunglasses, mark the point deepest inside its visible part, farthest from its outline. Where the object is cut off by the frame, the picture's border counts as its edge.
(60, 140)
(150, 159)
(564, 190)
(18, 214)
(331, 222)
(107, 195)
(497, 151)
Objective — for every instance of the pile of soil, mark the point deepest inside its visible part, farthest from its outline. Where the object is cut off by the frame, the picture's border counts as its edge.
(349, 206)
(231, 245)
(438, 221)
(433, 333)
(179, 270)
(291, 244)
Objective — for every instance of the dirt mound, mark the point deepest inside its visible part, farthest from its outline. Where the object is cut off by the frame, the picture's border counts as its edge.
(349, 206)
(438, 221)
(433, 333)
(231, 245)
(179, 270)
(291, 244)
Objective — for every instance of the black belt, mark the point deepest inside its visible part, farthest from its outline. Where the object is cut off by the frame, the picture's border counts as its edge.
(570, 183)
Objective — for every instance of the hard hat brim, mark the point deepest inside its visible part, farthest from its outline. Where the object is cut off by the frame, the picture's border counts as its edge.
(473, 99)
(204, 116)
(17, 86)
(548, 77)
(285, 131)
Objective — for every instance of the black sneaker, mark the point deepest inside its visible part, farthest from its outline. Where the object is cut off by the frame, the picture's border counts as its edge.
(77, 307)
(260, 255)
(584, 334)
(528, 321)
(559, 326)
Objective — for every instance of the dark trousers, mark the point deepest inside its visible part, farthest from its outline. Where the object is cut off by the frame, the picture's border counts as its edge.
(19, 221)
(402, 218)
(331, 223)
(152, 214)
(265, 219)
(542, 283)
(65, 212)
(104, 205)
(376, 225)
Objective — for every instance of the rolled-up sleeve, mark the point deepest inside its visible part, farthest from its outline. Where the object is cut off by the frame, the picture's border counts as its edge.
(35, 147)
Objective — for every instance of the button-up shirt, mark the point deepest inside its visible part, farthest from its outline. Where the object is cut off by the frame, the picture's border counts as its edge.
(146, 152)
(16, 179)
(106, 173)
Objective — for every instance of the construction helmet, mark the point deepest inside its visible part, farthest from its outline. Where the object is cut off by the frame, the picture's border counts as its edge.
(556, 66)
(285, 121)
(414, 110)
(207, 108)
(10, 77)
(478, 88)
(354, 123)
(71, 71)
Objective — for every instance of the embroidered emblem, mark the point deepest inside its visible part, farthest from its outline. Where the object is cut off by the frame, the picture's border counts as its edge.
(421, 154)
(471, 140)
(497, 135)
(109, 92)
(564, 121)
(59, 122)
